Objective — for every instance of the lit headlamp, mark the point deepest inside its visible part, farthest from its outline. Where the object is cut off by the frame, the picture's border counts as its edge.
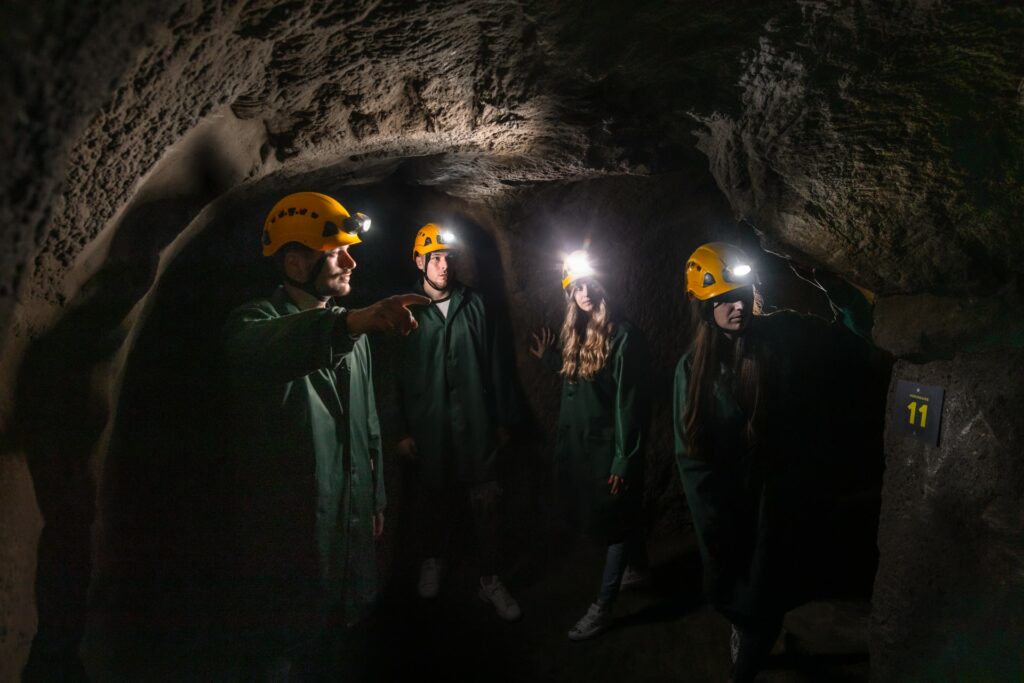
(576, 266)
(357, 224)
(739, 273)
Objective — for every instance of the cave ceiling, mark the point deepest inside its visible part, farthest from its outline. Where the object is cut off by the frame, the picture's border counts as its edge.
(881, 139)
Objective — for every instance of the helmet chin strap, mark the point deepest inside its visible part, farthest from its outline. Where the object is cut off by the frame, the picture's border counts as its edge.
(426, 279)
(309, 286)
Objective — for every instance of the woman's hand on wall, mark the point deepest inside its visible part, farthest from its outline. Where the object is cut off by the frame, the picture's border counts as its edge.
(543, 339)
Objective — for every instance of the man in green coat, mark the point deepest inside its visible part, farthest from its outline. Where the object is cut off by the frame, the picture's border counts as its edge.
(456, 400)
(306, 437)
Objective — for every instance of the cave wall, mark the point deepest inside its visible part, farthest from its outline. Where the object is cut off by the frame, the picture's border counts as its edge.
(879, 140)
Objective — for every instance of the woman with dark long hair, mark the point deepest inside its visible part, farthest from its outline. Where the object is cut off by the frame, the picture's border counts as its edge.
(756, 446)
(602, 428)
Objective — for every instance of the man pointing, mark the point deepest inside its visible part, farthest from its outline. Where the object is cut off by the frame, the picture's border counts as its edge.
(307, 439)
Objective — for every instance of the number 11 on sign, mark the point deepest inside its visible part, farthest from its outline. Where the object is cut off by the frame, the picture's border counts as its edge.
(914, 411)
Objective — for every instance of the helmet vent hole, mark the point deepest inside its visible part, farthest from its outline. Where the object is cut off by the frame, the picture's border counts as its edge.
(302, 212)
(291, 212)
(315, 215)
(282, 214)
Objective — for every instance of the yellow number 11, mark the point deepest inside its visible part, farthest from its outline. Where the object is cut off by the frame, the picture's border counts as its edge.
(914, 410)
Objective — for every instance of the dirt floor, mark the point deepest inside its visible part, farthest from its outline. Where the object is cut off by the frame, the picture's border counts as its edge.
(663, 632)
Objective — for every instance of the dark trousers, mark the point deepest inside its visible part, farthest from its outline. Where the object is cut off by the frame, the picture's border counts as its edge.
(437, 513)
(755, 644)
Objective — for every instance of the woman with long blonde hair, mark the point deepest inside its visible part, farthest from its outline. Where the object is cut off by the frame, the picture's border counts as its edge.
(602, 429)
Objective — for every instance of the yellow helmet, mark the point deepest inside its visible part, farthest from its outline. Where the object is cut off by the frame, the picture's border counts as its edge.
(716, 268)
(312, 219)
(432, 237)
(576, 266)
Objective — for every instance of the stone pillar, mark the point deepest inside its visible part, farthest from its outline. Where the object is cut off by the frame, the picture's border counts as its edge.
(949, 595)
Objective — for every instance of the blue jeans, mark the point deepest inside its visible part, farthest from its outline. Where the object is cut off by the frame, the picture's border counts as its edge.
(632, 550)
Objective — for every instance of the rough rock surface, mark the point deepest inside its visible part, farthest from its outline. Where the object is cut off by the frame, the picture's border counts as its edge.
(949, 596)
(884, 140)
(926, 327)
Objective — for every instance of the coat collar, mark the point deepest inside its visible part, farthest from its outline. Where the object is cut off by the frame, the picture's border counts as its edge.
(457, 296)
(283, 303)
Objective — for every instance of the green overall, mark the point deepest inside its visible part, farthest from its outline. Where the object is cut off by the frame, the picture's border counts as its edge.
(455, 388)
(602, 428)
(308, 447)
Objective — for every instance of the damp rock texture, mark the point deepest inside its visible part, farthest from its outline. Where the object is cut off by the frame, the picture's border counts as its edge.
(142, 140)
(949, 595)
(884, 140)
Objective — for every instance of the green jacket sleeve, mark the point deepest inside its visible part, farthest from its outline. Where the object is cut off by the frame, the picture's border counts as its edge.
(851, 308)
(700, 486)
(630, 374)
(283, 348)
(380, 500)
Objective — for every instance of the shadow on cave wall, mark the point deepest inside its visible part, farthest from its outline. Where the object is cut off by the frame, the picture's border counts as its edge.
(61, 410)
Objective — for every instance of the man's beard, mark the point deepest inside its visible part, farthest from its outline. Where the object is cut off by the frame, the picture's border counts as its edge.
(436, 286)
(335, 287)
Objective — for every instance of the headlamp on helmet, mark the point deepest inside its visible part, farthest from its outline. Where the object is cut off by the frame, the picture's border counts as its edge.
(432, 237)
(576, 266)
(716, 268)
(314, 220)
(357, 224)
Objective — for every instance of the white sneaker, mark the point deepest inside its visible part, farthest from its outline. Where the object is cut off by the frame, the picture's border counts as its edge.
(497, 594)
(596, 621)
(431, 571)
(636, 578)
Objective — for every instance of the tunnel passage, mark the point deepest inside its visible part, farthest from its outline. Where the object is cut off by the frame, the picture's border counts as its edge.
(161, 589)
(879, 142)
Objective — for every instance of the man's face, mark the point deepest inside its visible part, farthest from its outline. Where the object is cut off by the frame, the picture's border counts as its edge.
(440, 267)
(336, 273)
(733, 309)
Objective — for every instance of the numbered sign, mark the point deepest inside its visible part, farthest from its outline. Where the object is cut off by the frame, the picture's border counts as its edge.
(917, 411)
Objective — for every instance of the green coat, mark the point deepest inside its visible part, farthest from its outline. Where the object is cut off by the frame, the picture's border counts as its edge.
(761, 514)
(455, 387)
(308, 448)
(602, 430)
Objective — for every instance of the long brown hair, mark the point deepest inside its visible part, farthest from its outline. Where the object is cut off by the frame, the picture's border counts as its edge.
(709, 349)
(586, 338)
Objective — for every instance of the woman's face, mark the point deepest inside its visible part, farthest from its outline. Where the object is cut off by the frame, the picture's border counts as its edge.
(586, 294)
(733, 310)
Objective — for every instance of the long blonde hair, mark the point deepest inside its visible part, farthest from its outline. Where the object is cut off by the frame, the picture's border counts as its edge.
(586, 339)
